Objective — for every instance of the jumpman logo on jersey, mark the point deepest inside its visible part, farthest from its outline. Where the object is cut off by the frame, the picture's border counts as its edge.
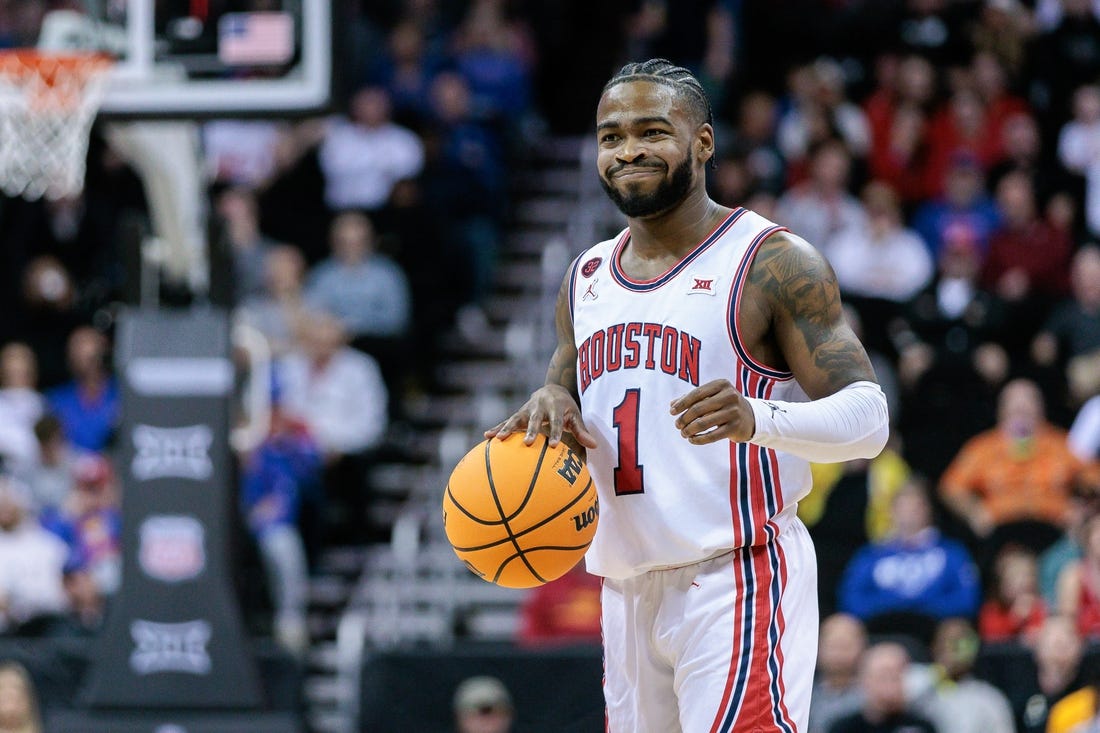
(775, 408)
(591, 291)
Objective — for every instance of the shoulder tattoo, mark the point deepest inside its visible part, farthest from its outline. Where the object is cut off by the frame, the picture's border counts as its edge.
(801, 286)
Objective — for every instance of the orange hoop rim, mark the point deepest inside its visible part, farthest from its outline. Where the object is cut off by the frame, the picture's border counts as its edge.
(52, 67)
(50, 80)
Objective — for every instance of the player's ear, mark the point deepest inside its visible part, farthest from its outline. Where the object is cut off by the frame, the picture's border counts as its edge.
(704, 143)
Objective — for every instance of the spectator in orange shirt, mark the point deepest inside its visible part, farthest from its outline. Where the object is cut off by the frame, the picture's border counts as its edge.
(1012, 482)
(564, 611)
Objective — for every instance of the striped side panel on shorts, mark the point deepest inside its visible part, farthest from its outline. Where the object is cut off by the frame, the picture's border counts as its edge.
(753, 693)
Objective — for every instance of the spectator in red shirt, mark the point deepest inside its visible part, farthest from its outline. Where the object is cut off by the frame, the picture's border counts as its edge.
(910, 81)
(901, 157)
(1028, 262)
(1079, 583)
(960, 128)
(563, 611)
(897, 112)
(991, 84)
(1015, 609)
(1026, 256)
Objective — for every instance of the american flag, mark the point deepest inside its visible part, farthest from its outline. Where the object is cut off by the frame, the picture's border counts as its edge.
(255, 38)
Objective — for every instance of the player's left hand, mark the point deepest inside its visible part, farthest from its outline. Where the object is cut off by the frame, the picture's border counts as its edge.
(714, 411)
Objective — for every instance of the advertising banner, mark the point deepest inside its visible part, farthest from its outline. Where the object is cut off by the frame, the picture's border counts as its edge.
(173, 637)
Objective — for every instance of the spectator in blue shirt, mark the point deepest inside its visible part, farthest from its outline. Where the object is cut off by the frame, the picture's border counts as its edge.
(359, 285)
(276, 477)
(87, 406)
(965, 211)
(90, 522)
(913, 578)
(368, 293)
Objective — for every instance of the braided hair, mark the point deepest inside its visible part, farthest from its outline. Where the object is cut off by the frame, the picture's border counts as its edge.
(663, 71)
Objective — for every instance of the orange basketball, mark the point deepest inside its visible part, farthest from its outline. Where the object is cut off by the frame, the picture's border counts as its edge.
(519, 515)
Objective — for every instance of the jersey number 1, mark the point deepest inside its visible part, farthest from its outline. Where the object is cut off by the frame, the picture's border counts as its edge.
(628, 473)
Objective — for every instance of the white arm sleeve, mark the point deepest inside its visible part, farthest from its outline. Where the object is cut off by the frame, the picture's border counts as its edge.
(852, 423)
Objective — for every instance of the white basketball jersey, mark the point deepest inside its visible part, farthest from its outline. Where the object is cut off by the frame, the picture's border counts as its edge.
(642, 344)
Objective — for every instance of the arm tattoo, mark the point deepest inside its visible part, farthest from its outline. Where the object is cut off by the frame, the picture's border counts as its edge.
(563, 364)
(802, 287)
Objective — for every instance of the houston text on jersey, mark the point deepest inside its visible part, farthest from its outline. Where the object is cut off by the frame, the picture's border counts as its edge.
(639, 346)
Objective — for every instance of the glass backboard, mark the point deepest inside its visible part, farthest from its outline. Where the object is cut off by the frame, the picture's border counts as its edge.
(195, 58)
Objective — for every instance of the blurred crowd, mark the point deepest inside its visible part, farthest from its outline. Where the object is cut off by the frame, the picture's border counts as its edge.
(943, 154)
(358, 241)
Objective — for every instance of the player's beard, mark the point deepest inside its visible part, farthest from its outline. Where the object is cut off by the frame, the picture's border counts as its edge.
(668, 193)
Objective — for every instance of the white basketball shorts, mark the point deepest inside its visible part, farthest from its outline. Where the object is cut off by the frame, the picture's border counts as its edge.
(727, 645)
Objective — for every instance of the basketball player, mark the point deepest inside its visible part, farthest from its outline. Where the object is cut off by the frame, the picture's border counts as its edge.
(702, 361)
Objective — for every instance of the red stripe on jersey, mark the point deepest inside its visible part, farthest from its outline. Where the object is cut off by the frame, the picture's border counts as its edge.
(758, 498)
(783, 716)
(739, 618)
(603, 668)
(734, 490)
(773, 461)
(733, 308)
(756, 713)
(736, 500)
(760, 502)
(781, 705)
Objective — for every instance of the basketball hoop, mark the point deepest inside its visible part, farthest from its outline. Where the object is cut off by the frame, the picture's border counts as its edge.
(48, 102)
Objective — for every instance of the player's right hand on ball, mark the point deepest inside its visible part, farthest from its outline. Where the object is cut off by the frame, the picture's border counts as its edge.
(551, 406)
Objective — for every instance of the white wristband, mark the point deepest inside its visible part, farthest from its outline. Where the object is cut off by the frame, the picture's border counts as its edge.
(851, 423)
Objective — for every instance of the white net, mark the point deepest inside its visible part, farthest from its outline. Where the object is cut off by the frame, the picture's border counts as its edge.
(47, 105)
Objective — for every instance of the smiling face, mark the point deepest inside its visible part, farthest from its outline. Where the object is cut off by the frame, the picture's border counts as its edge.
(652, 147)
